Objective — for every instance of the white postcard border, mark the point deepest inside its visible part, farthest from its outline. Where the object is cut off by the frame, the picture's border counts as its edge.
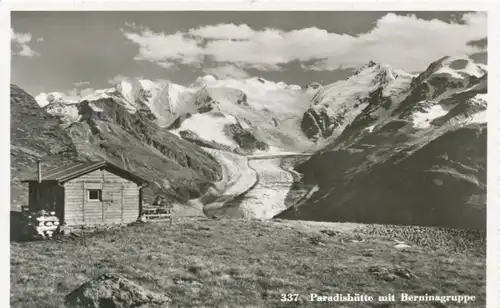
(493, 159)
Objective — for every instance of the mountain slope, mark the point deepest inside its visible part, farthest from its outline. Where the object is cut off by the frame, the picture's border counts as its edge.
(35, 134)
(106, 130)
(441, 184)
(418, 160)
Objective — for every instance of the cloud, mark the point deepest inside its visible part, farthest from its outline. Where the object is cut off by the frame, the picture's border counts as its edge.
(117, 78)
(410, 43)
(271, 48)
(227, 71)
(481, 43)
(403, 41)
(224, 31)
(40, 39)
(76, 93)
(162, 48)
(167, 65)
(87, 91)
(20, 41)
(21, 38)
(80, 83)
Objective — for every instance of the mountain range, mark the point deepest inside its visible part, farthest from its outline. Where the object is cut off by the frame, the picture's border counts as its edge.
(400, 149)
(387, 146)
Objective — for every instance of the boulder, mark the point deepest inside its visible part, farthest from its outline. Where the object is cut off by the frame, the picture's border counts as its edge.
(113, 291)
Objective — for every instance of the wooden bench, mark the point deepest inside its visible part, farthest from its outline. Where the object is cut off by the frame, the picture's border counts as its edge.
(158, 213)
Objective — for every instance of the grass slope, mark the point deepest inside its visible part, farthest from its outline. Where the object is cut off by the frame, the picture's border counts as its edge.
(244, 263)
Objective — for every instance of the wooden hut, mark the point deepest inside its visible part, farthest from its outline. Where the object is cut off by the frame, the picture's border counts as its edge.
(92, 193)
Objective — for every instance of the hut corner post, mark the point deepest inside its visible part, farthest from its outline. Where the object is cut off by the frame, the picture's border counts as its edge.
(141, 194)
(140, 200)
(39, 170)
(39, 178)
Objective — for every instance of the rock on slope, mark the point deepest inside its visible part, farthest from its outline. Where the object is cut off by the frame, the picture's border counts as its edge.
(106, 130)
(110, 290)
(417, 157)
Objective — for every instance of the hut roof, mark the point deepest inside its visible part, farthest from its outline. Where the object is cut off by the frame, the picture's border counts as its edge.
(68, 172)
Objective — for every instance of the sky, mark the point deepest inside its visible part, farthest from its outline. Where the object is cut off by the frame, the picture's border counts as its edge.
(75, 52)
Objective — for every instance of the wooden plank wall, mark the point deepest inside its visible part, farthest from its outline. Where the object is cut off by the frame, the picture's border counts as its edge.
(123, 194)
(44, 196)
(33, 191)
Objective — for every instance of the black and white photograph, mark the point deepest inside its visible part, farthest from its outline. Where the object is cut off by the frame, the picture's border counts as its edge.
(249, 158)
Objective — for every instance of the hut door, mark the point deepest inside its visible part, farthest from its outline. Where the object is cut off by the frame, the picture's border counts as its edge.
(112, 202)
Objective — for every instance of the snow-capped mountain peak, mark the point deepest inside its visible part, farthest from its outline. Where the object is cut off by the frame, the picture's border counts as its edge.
(370, 64)
(336, 105)
(147, 84)
(458, 67)
(264, 112)
(203, 81)
(378, 94)
(125, 88)
(459, 70)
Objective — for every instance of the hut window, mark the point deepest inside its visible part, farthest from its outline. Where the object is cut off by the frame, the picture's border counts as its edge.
(95, 194)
